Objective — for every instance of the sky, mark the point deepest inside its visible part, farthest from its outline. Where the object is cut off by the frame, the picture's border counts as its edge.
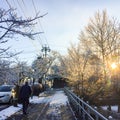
(61, 26)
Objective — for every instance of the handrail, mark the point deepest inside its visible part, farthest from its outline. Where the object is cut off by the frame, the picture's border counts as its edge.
(85, 111)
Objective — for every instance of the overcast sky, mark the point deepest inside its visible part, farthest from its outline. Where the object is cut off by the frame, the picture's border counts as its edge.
(62, 24)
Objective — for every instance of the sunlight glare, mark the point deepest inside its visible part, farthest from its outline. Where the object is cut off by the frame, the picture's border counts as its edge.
(113, 65)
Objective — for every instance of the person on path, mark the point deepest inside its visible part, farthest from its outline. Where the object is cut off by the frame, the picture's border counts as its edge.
(24, 95)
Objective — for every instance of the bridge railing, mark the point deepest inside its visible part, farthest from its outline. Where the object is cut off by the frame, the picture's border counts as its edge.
(84, 111)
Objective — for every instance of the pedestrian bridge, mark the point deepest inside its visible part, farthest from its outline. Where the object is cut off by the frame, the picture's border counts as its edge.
(82, 109)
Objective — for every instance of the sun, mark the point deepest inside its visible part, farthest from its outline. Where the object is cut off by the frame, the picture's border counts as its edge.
(113, 65)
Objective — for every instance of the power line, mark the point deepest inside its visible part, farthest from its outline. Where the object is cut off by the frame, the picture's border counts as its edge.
(8, 4)
(24, 3)
(22, 10)
(36, 14)
(26, 18)
(39, 21)
(27, 52)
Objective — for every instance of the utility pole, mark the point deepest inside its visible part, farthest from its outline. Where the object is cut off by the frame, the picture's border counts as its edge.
(45, 49)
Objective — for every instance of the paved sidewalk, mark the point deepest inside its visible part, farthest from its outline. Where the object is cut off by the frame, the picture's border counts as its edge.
(50, 110)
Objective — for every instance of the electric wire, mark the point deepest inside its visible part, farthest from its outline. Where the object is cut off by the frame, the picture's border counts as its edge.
(35, 9)
(22, 10)
(24, 15)
(35, 26)
(8, 4)
(43, 31)
(35, 46)
(38, 21)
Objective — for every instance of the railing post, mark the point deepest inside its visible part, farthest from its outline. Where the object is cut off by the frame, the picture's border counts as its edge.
(83, 110)
(83, 114)
(96, 117)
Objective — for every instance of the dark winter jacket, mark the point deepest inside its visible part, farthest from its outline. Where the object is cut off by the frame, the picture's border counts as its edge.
(25, 91)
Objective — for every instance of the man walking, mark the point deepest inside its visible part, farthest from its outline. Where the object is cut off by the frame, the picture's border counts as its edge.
(25, 93)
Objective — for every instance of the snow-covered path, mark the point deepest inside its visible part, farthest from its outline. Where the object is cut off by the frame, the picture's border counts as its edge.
(56, 107)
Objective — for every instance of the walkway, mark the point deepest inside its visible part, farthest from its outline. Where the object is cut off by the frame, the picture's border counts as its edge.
(51, 105)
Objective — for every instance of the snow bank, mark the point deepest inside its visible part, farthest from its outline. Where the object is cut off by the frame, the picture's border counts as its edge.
(113, 108)
(9, 111)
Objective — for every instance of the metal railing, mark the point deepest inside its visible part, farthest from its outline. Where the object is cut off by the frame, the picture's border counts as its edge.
(83, 110)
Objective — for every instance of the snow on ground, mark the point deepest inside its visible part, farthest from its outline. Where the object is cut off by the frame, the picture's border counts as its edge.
(113, 108)
(9, 111)
(58, 99)
(36, 99)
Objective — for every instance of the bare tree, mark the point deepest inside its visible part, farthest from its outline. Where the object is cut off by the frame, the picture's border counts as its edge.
(42, 65)
(87, 64)
(104, 34)
(76, 67)
(11, 24)
(101, 36)
(4, 71)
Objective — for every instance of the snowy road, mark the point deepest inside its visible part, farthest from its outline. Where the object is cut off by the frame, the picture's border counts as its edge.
(51, 105)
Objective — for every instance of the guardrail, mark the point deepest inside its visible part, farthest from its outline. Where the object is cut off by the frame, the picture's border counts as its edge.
(84, 111)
